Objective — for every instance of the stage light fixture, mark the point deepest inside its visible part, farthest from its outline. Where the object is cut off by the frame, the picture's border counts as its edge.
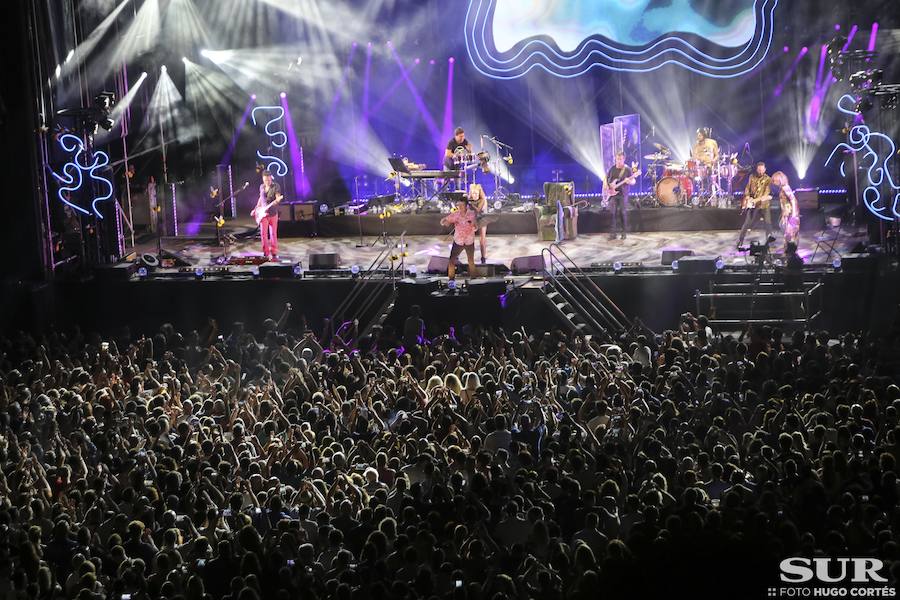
(354, 271)
(412, 270)
(253, 96)
(323, 208)
(675, 265)
(58, 71)
(283, 95)
(199, 272)
(890, 101)
(836, 263)
(720, 264)
(164, 69)
(617, 266)
(298, 271)
(143, 272)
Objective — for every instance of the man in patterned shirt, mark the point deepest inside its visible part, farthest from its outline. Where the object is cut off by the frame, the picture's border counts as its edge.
(465, 222)
(757, 197)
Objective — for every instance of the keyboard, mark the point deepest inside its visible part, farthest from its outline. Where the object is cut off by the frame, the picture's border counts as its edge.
(432, 175)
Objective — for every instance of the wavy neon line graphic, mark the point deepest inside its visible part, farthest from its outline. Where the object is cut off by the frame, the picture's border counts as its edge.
(277, 139)
(597, 51)
(859, 141)
(72, 179)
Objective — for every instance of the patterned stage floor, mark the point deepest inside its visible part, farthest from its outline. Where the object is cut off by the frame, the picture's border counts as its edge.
(586, 250)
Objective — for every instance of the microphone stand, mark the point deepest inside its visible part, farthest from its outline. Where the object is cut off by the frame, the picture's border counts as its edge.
(358, 213)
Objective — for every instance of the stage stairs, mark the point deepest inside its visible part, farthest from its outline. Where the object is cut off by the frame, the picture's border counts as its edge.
(576, 299)
(762, 298)
(372, 299)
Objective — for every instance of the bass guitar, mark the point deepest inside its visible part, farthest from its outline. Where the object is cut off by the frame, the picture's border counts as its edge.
(612, 188)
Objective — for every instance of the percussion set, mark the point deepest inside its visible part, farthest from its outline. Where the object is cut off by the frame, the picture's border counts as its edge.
(693, 183)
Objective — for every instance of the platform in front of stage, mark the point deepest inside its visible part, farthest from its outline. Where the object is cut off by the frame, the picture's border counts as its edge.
(587, 250)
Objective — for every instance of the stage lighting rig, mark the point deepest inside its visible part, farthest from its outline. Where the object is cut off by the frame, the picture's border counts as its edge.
(94, 116)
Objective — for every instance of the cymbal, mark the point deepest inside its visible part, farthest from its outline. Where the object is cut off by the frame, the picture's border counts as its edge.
(662, 148)
(657, 157)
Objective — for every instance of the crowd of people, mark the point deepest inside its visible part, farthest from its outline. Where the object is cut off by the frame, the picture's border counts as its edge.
(412, 464)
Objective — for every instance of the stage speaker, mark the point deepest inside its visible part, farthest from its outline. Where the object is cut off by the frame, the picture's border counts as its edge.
(437, 265)
(672, 254)
(323, 262)
(304, 211)
(487, 287)
(698, 264)
(286, 211)
(276, 271)
(523, 265)
(117, 272)
(807, 200)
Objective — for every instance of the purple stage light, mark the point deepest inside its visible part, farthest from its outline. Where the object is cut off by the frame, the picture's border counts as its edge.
(431, 62)
(301, 184)
(283, 94)
(873, 37)
(787, 49)
(417, 61)
(253, 96)
(837, 27)
(452, 60)
(355, 44)
(229, 152)
(804, 50)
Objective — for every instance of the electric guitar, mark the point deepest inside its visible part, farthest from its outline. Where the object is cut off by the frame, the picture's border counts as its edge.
(259, 213)
(753, 202)
(611, 189)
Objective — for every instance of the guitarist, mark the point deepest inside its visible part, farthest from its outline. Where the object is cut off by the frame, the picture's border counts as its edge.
(757, 199)
(618, 180)
(269, 197)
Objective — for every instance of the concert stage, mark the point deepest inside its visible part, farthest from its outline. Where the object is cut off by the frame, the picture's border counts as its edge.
(587, 250)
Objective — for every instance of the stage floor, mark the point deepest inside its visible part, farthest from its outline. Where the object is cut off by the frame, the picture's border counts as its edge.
(586, 251)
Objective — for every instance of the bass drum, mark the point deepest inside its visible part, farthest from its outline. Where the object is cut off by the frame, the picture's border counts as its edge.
(671, 191)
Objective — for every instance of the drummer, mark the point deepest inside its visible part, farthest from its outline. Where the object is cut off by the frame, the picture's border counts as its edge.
(453, 147)
(706, 150)
(706, 154)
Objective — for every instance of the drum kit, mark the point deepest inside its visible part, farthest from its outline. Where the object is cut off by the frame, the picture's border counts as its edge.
(694, 183)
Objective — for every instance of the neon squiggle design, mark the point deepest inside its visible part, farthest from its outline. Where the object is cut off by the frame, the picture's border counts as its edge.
(596, 52)
(72, 179)
(277, 138)
(859, 140)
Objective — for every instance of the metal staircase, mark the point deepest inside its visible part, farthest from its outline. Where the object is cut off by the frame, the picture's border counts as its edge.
(763, 298)
(373, 297)
(576, 299)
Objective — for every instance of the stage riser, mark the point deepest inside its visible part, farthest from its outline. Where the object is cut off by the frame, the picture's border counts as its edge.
(589, 221)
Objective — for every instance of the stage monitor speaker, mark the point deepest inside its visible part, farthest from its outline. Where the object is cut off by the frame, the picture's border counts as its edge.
(523, 265)
(808, 200)
(117, 272)
(437, 265)
(673, 254)
(304, 211)
(286, 211)
(487, 287)
(276, 271)
(324, 262)
(698, 264)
